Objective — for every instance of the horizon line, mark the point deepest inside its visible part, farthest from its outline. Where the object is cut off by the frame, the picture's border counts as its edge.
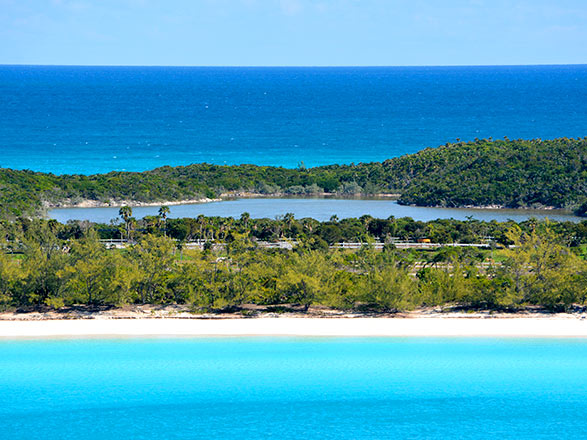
(290, 66)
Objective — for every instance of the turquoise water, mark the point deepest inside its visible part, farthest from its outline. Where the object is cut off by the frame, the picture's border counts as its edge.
(292, 388)
(97, 119)
(320, 209)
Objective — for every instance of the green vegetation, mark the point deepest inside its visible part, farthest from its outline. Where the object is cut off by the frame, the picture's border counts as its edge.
(508, 173)
(48, 264)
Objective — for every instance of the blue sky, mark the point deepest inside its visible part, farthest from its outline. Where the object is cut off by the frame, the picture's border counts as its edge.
(293, 32)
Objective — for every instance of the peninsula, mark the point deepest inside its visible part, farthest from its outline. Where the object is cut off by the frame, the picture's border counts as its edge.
(501, 173)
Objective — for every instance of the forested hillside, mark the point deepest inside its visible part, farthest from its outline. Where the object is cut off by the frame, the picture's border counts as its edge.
(508, 173)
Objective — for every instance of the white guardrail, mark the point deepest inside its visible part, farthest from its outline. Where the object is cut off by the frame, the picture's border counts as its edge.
(199, 244)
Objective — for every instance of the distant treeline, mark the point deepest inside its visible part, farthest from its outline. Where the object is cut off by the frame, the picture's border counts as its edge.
(508, 173)
(318, 235)
(321, 234)
(48, 264)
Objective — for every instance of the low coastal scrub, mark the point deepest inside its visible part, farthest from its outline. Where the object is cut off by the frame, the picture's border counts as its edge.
(45, 263)
(504, 173)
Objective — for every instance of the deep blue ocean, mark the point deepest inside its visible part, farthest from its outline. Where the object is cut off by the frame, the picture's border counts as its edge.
(98, 119)
(294, 388)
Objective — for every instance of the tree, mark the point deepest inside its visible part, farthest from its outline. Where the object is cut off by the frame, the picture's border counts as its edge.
(126, 213)
(86, 277)
(154, 258)
(389, 288)
(245, 218)
(543, 270)
(163, 213)
(301, 280)
(125, 276)
(288, 220)
(43, 256)
(9, 276)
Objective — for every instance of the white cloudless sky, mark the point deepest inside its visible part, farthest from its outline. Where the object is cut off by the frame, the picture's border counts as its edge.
(293, 32)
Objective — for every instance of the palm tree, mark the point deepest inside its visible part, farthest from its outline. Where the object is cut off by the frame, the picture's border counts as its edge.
(245, 217)
(132, 222)
(126, 213)
(201, 221)
(365, 220)
(288, 219)
(163, 211)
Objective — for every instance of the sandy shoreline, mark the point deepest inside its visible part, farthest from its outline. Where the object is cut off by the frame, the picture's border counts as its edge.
(537, 327)
(87, 203)
(67, 204)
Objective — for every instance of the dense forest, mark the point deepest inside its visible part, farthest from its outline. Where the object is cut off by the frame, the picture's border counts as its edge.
(508, 173)
(48, 264)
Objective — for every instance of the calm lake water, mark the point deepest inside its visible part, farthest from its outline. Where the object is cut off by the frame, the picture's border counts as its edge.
(65, 119)
(319, 208)
(292, 388)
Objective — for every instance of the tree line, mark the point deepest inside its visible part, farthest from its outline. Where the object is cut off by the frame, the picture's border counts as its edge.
(508, 173)
(321, 234)
(287, 227)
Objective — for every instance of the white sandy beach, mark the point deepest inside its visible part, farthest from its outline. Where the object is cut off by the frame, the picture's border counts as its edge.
(398, 327)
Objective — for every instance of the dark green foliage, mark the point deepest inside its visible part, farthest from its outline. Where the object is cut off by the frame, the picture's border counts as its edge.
(507, 173)
(320, 234)
(512, 174)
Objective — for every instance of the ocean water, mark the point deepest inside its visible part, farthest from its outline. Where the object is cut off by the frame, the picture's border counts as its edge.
(318, 208)
(97, 119)
(294, 388)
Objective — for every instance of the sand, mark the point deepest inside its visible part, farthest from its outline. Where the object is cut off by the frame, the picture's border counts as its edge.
(567, 326)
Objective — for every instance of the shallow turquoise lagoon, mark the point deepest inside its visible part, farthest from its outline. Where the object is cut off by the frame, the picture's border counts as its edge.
(293, 388)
